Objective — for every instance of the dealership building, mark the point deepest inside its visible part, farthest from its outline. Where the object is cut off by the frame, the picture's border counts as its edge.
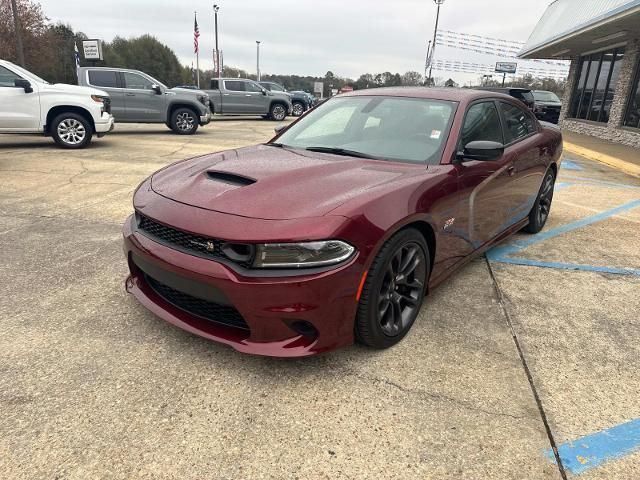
(602, 40)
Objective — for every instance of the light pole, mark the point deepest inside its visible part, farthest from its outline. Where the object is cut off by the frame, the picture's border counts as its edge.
(258, 59)
(215, 13)
(435, 33)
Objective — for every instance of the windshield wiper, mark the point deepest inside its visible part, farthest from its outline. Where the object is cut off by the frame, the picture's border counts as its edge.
(341, 151)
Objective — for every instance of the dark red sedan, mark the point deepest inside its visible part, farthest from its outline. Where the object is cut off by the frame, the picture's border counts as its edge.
(336, 229)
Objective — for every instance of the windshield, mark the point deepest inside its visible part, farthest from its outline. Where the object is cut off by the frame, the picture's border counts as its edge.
(543, 96)
(386, 128)
(28, 74)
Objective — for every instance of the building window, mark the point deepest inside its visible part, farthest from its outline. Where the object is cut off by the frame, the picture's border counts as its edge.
(597, 77)
(632, 119)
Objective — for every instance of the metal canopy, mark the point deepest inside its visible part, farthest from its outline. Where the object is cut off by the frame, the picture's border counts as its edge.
(573, 27)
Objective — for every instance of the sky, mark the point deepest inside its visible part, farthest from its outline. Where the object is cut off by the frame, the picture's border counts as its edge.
(348, 37)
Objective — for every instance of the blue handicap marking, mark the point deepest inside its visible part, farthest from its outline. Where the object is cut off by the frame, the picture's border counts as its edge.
(587, 452)
(570, 165)
(503, 253)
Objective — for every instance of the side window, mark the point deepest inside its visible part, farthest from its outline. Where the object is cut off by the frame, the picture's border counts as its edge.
(518, 123)
(482, 123)
(103, 78)
(276, 88)
(235, 85)
(137, 82)
(214, 85)
(7, 77)
(252, 87)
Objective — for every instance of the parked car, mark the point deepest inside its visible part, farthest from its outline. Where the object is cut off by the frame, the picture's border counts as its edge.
(337, 228)
(240, 96)
(547, 106)
(139, 98)
(299, 100)
(523, 94)
(68, 113)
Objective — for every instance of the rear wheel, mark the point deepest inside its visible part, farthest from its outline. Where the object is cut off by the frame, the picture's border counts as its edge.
(393, 291)
(278, 112)
(70, 130)
(541, 209)
(184, 121)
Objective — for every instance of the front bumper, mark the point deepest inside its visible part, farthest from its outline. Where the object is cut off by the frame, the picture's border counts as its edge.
(268, 305)
(206, 118)
(105, 123)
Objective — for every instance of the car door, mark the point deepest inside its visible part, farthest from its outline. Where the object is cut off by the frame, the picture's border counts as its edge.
(108, 81)
(257, 101)
(142, 103)
(233, 97)
(19, 110)
(525, 145)
(487, 185)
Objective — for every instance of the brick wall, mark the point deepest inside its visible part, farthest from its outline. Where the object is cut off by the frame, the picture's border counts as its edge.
(613, 130)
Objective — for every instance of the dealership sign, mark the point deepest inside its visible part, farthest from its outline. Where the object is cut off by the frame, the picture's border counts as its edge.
(92, 49)
(318, 87)
(506, 67)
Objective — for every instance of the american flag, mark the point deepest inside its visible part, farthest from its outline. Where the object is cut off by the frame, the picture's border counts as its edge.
(196, 34)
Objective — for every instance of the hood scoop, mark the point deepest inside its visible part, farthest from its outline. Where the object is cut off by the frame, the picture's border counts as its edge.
(230, 178)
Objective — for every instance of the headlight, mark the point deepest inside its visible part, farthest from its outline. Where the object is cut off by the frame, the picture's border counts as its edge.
(97, 98)
(302, 255)
(204, 99)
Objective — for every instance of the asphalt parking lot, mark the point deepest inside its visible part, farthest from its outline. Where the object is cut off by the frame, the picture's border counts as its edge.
(538, 344)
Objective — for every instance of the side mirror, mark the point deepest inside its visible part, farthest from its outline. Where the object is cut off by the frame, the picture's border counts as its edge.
(24, 84)
(156, 88)
(279, 129)
(482, 150)
(264, 91)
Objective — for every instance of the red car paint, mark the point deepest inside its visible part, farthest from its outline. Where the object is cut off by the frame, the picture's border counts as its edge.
(463, 209)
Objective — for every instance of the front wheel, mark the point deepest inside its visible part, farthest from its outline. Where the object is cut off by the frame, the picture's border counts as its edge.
(278, 112)
(393, 291)
(542, 207)
(184, 121)
(298, 109)
(70, 130)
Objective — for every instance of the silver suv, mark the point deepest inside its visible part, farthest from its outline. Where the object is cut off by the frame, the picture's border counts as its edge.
(139, 98)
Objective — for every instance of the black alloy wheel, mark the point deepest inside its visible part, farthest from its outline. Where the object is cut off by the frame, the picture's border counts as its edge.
(394, 290)
(278, 112)
(184, 121)
(542, 207)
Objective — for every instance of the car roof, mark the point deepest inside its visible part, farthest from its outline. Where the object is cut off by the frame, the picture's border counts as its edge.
(504, 89)
(448, 94)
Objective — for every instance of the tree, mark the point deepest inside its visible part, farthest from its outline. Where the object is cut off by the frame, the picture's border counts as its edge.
(33, 24)
(412, 79)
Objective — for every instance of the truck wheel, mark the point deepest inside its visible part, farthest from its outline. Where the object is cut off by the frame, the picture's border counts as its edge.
(184, 121)
(278, 112)
(298, 109)
(70, 130)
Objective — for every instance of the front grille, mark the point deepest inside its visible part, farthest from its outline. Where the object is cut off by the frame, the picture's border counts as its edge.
(194, 244)
(210, 311)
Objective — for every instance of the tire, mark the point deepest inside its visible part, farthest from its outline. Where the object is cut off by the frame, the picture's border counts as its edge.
(278, 112)
(70, 130)
(389, 306)
(542, 207)
(184, 121)
(298, 109)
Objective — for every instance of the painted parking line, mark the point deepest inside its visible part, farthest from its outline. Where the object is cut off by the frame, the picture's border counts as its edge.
(589, 451)
(570, 165)
(503, 254)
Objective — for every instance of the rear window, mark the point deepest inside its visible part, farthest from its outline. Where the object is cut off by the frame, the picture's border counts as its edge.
(235, 85)
(103, 78)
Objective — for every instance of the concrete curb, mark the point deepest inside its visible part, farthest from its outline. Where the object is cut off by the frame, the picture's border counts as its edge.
(627, 167)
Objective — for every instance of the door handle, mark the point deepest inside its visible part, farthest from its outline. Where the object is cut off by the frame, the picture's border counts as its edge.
(511, 171)
(226, 94)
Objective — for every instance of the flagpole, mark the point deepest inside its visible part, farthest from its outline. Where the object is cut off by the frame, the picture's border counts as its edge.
(195, 15)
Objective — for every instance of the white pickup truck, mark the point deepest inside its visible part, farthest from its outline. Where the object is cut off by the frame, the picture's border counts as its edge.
(68, 113)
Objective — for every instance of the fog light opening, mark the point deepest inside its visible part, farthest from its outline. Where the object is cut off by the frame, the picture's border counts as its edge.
(303, 328)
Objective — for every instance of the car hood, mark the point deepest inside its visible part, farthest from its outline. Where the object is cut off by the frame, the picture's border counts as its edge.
(273, 183)
(72, 89)
(187, 91)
